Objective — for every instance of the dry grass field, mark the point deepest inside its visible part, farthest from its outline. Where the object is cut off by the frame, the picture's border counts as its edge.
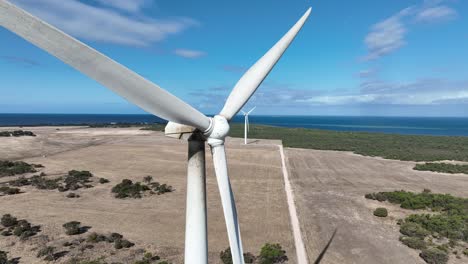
(155, 223)
(330, 186)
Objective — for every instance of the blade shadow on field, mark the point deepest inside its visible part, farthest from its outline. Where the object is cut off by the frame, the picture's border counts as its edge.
(324, 251)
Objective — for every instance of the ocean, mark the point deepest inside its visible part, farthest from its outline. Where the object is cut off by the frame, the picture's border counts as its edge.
(440, 126)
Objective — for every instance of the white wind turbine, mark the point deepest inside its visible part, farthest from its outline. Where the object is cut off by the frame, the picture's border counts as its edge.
(246, 123)
(185, 121)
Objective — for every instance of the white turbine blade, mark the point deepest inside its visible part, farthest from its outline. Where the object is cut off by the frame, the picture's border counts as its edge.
(250, 81)
(229, 206)
(102, 69)
(251, 110)
(243, 112)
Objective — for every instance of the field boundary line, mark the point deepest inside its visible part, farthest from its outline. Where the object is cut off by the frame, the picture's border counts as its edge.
(296, 228)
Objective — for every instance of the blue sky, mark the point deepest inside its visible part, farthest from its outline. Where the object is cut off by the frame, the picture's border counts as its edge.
(363, 57)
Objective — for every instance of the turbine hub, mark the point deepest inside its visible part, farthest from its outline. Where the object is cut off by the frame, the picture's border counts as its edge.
(219, 131)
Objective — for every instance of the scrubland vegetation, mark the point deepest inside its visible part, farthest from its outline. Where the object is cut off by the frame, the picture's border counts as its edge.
(389, 146)
(11, 168)
(129, 189)
(442, 167)
(20, 228)
(17, 133)
(441, 229)
(269, 254)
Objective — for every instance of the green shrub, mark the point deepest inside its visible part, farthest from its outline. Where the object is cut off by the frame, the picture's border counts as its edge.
(163, 188)
(413, 230)
(381, 212)
(42, 183)
(8, 220)
(129, 189)
(413, 242)
(23, 229)
(272, 253)
(5, 190)
(434, 256)
(77, 179)
(103, 180)
(96, 238)
(148, 179)
(122, 243)
(47, 253)
(11, 168)
(226, 257)
(73, 228)
(4, 258)
(442, 167)
(73, 195)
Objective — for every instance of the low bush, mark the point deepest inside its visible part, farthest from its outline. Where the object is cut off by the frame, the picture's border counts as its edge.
(381, 212)
(129, 189)
(103, 180)
(42, 183)
(11, 168)
(47, 253)
(4, 258)
(122, 243)
(23, 229)
(412, 229)
(5, 190)
(148, 179)
(96, 238)
(77, 179)
(17, 133)
(73, 228)
(413, 242)
(73, 195)
(8, 220)
(434, 256)
(271, 254)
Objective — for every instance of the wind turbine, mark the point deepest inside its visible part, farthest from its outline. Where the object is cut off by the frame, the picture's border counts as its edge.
(185, 121)
(246, 123)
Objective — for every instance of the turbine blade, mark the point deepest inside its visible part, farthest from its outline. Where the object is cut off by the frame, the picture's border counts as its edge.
(102, 69)
(251, 110)
(250, 81)
(229, 206)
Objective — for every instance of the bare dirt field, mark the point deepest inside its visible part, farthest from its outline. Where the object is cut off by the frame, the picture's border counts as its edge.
(329, 189)
(155, 223)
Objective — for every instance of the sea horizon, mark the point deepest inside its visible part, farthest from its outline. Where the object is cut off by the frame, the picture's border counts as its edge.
(436, 126)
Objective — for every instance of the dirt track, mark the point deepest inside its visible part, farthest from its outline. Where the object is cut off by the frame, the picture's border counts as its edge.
(329, 188)
(154, 223)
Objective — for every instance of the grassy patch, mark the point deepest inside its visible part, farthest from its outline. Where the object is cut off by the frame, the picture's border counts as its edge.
(442, 167)
(429, 232)
(389, 146)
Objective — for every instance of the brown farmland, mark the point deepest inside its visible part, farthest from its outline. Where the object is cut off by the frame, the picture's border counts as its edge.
(329, 188)
(154, 223)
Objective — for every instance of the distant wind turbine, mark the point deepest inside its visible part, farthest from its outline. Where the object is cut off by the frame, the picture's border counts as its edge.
(246, 123)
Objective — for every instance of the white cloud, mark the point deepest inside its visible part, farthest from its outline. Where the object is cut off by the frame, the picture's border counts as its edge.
(438, 13)
(386, 36)
(423, 92)
(126, 5)
(389, 35)
(104, 25)
(191, 54)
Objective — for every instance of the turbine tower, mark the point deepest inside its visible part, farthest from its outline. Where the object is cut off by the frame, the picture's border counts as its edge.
(246, 123)
(185, 121)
